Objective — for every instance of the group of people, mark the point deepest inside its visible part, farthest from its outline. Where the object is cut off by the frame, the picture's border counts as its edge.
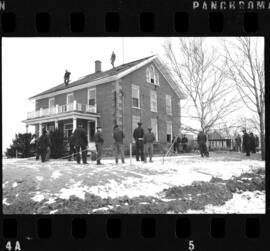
(177, 141)
(144, 144)
(250, 143)
(42, 146)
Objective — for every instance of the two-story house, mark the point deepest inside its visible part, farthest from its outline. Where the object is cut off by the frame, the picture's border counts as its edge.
(142, 90)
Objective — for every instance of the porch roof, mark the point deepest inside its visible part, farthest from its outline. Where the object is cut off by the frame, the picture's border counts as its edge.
(62, 116)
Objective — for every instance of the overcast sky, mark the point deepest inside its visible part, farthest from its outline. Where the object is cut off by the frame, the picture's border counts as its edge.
(33, 65)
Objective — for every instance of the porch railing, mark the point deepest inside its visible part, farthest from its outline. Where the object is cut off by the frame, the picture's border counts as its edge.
(84, 108)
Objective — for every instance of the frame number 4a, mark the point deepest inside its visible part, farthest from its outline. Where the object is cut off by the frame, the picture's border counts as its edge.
(17, 246)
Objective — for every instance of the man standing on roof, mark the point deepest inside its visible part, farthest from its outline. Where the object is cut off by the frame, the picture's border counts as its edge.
(67, 77)
(113, 57)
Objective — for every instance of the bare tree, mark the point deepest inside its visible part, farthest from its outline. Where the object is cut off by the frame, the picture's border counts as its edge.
(246, 68)
(203, 77)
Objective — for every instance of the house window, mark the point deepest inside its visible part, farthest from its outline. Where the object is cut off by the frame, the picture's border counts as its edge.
(135, 96)
(153, 101)
(92, 97)
(152, 74)
(51, 103)
(168, 104)
(169, 131)
(70, 98)
(135, 120)
(154, 127)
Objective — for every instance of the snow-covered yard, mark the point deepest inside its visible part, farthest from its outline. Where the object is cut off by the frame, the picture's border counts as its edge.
(31, 180)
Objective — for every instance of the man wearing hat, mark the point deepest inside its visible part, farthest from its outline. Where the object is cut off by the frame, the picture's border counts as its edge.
(99, 143)
(80, 142)
(246, 142)
(118, 136)
(149, 139)
(138, 136)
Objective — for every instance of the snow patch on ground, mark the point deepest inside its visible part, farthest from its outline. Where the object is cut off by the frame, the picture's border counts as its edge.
(75, 189)
(244, 203)
(56, 174)
(5, 202)
(38, 197)
(39, 178)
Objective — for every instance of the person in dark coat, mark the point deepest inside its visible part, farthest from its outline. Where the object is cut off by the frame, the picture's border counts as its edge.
(256, 142)
(149, 139)
(80, 142)
(99, 144)
(44, 143)
(201, 139)
(246, 143)
(184, 142)
(176, 141)
(66, 77)
(72, 149)
(138, 136)
(118, 137)
(252, 143)
(238, 143)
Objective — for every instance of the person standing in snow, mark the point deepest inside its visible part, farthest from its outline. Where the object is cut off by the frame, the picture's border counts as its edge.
(201, 139)
(184, 143)
(118, 136)
(246, 143)
(252, 143)
(99, 144)
(238, 143)
(44, 143)
(149, 139)
(80, 143)
(138, 136)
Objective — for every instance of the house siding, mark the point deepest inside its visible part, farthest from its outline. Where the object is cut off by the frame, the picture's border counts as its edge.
(139, 78)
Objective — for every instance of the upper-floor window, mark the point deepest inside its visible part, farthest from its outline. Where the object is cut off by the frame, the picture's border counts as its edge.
(168, 104)
(153, 101)
(92, 97)
(51, 103)
(70, 98)
(152, 75)
(135, 96)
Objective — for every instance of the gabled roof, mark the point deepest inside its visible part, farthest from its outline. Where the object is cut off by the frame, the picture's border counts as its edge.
(107, 76)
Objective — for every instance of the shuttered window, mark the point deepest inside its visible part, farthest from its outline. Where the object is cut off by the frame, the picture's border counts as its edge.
(135, 96)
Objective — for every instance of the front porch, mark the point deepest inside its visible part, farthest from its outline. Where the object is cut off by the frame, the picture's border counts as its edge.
(66, 122)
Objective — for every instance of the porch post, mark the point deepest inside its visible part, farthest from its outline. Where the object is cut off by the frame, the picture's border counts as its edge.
(74, 123)
(40, 129)
(56, 124)
(26, 128)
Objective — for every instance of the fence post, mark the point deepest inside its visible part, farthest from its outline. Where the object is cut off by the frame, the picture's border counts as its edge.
(16, 154)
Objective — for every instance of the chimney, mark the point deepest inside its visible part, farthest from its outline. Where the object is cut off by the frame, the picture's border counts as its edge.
(97, 66)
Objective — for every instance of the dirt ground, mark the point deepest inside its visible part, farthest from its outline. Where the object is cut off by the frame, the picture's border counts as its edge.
(180, 183)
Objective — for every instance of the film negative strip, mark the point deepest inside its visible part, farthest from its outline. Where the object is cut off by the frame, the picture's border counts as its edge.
(134, 125)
